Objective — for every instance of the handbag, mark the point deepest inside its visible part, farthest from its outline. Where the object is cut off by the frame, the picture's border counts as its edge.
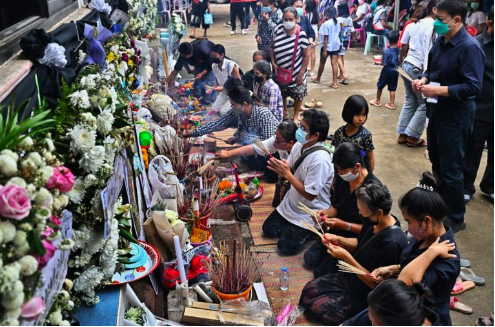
(284, 76)
(208, 18)
(283, 186)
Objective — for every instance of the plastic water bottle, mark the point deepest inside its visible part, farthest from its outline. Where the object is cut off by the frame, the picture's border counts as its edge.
(284, 279)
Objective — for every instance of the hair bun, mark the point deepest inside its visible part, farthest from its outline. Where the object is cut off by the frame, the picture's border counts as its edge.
(425, 293)
(428, 182)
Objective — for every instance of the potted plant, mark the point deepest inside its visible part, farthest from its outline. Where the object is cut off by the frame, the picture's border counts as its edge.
(233, 272)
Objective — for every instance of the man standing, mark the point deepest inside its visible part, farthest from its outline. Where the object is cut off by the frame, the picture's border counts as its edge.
(451, 83)
(483, 123)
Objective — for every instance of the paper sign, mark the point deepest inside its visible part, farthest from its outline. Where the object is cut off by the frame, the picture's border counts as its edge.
(110, 194)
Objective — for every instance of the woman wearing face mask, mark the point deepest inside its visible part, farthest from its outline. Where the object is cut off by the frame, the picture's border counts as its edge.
(252, 121)
(362, 11)
(309, 170)
(223, 69)
(303, 21)
(284, 51)
(333, 298)
(269, 18)
(476, 18)
(423, 209)
(266, 91)
(348, 161)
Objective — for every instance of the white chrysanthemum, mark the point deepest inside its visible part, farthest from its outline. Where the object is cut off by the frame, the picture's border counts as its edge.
(44, 198)
(104, 121)
(66, 244)
(11, 154)
(80, 99)
(55, 318)
(109, 255)
(26, 144)
(82, 139)
(29, 265)
(95, 242)
(88, 280)
(81, 237)
(76, 195)
(18, 181)
(113, 96)
(8, 166)
(45, 174)
(102, 103)
(82, 260)
(8, 231)
(92, 160)
(90, 180)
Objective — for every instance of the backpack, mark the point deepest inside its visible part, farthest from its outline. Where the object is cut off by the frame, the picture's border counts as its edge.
(368, 23)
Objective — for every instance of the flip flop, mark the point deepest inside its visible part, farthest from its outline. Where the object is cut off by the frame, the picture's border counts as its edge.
(192, 36)
(465, 263)
(315, 81)
(420, 144)
(334, 86)
(374, 103)
(480, 281)
(344, 82)
(389, 106)
(455, 305)
(484, 321)
(310, 104)
(461, 287)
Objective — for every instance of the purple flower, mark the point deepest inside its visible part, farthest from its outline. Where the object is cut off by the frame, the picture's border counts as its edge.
(133, 43)
(125, 57)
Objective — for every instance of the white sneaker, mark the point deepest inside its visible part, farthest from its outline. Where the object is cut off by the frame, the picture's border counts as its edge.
(243, 32)
(232, 33)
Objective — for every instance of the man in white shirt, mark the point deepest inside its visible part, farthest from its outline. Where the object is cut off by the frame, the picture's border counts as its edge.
(412, 119)
(310, 181)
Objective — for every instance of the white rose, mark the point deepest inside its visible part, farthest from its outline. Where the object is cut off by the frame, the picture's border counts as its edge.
(11, 154)
(20, 238)
(55, 318)
(13, 303)
(22, 250)
(44, 198)
(10, 322)
(29, 265)
(48, 156)
(102, 102)
(64, 200)
(31, 189)
(8, 231)
(46, 173)
(49, 145)
(8, 166)
(70, 305)
(64, 294)
(64, 323)
(57, 204)
(35, 157)
(28, 164)
(26, 144)
(18, 181)
(68, 284)
(17, 289)
(13, 314)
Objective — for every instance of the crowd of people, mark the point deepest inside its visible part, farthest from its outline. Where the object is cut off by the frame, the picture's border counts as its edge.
(448, 79)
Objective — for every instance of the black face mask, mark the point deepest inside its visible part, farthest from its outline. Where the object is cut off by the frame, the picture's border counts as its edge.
(258, 79)
(216, 60)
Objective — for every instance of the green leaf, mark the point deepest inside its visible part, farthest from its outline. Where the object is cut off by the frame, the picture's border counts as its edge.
(35, 243)
(119, 123)
(127, 235)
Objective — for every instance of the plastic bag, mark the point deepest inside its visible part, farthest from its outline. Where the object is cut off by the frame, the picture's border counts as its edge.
(167, 185)
(289, 315)
(252, 309)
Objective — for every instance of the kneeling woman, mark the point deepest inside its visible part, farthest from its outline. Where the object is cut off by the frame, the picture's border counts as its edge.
(334, 298)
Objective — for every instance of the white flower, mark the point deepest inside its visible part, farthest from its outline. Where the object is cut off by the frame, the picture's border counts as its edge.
(18, 181)
(13, 303)
(13, 314)
(70, 305)
(45, 174)
(68, 284)
(103, 92)
(102, 102)
(24, 226)
(11, 154)
(93, 159)
(104, 122)
(20, 238)
(64, 294)
(28, 164)
(29, 265)
(109, 255)
(94, 100)
(82, 56)
(80, 99)
(8, 231)
(49, 145)
(43, 214)
(81, 237)
(66, 244)
(76, 195)
(82, 139)
(8, 166)
(35, 157)
(26, 144)
(10, 322)
(82, 260)
(55, 318)
(49, 156)
(90, 180)
(88, 280)
(44, 198)
(22, 250)
(31, 189)
(64, 323)
(64, 200)
(95, 242)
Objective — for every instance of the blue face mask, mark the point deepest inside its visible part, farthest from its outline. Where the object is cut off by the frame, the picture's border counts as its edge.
(267, 9)
(299, 12)
(301, 136)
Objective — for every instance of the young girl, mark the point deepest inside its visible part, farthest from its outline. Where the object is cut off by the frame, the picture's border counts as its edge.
(198, 10)
(314, 17)
(346, 28)
(355, 114)
(329, 37)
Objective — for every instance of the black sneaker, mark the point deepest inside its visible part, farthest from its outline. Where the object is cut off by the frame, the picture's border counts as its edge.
(455, 225)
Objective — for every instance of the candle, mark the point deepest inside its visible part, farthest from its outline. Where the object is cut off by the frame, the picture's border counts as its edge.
(180, 261)
(201, 293)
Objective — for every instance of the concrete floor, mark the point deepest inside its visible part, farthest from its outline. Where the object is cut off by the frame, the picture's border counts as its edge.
(397, 166)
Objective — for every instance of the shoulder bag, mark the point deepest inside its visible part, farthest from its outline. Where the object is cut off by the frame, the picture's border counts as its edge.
(284, 76)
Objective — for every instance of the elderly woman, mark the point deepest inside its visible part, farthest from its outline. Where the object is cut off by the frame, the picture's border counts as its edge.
(266, 91)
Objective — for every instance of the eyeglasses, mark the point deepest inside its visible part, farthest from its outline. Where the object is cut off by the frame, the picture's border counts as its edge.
(304, 129)
(280, 142)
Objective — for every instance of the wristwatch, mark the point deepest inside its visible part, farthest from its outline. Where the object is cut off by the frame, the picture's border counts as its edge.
(349, 228)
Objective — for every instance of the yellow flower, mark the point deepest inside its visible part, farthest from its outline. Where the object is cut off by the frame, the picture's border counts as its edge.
(131, 80)
(131, 63)
(110, 56)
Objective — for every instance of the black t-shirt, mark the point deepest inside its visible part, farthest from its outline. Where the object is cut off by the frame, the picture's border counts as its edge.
(363, 319)
(346, 202)
(201, 58)
(440, 276)
(383, 250)
(199, 7)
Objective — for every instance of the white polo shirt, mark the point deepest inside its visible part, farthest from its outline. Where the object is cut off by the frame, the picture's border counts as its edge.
(269, 144)
(420, 43)
(316, 172)
(222, 74)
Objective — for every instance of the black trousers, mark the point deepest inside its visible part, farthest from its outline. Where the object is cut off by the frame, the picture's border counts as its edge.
(318, 259)
(448, 132)
(482, 131)
(291, 238)
(237, 10)
(256, 11)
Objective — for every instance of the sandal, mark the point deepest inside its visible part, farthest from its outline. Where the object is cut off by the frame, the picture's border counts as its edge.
(389, 106)
(420, 144)
(471, 277)
(461, 287)
(344, 82)
(314, 80)
(402, 139)
(484, 321)
(334, 86)
(192, 36)
(311, 104)
(455, 305)
(465, 263)
(375, 103)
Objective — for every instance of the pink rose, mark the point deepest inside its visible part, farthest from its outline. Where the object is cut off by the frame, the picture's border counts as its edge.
(55, 220)
(62, 178)
(32, 309)
(50, 250)
(14, 202)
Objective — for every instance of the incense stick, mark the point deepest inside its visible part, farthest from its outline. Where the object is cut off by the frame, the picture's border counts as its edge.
(263, 148)
(404, 74)
(313, 215)
(348, 268)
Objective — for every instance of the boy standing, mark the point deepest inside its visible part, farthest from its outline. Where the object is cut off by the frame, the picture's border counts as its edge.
(389, 75)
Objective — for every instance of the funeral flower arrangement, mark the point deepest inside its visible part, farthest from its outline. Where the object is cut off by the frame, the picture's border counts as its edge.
(124, 58)
(142, 21)
(34, 185)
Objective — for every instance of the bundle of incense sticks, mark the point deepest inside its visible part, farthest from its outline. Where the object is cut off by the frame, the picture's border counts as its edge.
(313, 215)
(347, 268)
(202, 169)
(312, 228)
(404, 74)
(263, 148)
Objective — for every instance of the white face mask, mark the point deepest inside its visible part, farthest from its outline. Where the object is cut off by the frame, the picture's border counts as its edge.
(289, 25)
(349, 177)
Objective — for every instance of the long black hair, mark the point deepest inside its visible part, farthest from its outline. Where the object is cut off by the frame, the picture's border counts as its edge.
(330, 13)
(312, 12)
(395, 304)
(343, 10)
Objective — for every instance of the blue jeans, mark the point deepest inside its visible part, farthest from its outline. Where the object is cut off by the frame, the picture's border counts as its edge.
(412, 119)
(448, 133)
